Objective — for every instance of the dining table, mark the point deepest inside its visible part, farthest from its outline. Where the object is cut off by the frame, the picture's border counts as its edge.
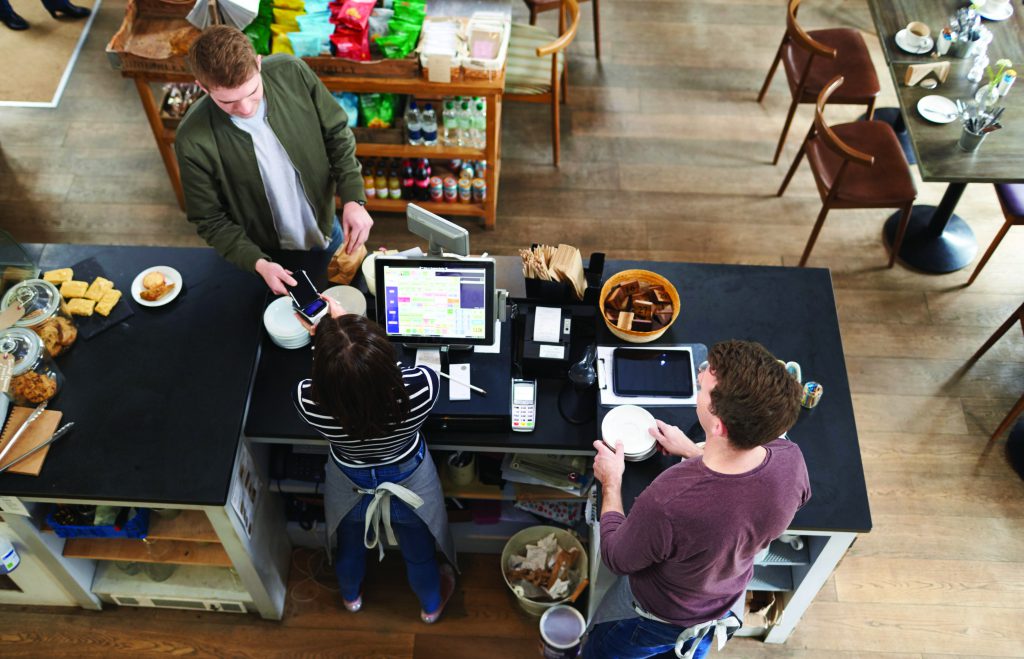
(937, 239)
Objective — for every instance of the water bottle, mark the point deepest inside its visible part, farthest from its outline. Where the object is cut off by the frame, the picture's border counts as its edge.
(412, 124)
(480, 126)
(450, 134)
(428, 125)
(465, 125)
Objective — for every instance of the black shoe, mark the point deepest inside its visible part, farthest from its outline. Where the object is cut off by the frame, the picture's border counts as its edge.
(64, 9)
(10, 19)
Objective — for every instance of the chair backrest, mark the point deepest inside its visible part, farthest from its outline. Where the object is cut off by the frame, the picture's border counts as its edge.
(572, 8)
(801, 39)
(828, 137)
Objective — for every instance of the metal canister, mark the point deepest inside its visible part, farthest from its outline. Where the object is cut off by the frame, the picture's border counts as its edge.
(479, 190)
(451, 189)
(467, 170)
(436, 188)
(811, 394)
(481, 168)
(465, 190)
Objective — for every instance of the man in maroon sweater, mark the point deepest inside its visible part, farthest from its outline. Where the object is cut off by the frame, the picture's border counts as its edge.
(686, 550)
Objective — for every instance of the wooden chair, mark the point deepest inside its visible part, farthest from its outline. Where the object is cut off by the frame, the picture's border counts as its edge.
(811, 59)
(536, 69)
(1011, 198)
(855, 165)
(1018, 408)
(541, 6)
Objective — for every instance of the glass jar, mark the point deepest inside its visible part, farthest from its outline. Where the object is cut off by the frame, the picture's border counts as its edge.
(46, 314)
(34, 378)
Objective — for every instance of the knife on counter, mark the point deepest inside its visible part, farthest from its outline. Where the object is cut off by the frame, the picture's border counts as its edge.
(54, 437)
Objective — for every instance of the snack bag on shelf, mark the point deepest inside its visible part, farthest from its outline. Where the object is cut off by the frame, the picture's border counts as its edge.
(352, 14)
(352, 45)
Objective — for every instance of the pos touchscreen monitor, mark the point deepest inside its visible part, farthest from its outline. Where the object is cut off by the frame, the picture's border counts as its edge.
(436, 302)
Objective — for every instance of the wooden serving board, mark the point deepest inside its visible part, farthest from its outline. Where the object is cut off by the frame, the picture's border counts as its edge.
(37, 433)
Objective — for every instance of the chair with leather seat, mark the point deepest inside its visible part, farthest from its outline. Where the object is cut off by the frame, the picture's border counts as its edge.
(535, 71)
(1011, 199)
(811, 59)
(855, 165)
(540, 6)
(1016, 317)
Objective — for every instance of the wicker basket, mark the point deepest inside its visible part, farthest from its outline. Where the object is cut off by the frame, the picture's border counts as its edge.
(649, 277)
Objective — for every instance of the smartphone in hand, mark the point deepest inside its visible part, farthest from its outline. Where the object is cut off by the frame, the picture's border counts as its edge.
(306, 298)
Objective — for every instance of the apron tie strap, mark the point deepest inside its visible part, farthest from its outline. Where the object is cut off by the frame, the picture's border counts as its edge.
(720, 629)
(379, 511)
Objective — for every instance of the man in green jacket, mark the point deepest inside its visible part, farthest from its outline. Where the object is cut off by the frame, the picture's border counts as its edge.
(262, 156)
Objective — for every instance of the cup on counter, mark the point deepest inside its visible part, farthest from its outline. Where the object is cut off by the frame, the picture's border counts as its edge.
(918, 33)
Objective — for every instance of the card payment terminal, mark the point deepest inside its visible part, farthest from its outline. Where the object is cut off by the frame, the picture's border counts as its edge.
(524, 405)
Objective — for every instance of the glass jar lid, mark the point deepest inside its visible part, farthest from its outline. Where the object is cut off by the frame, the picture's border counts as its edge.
(39, 297)
(22, 344)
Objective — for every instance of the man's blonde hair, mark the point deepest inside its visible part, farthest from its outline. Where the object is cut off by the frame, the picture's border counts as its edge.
(222, 57)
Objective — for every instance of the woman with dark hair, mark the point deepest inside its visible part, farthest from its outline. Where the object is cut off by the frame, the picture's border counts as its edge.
(370, 409)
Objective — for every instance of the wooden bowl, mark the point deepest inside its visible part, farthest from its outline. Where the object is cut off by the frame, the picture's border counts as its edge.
(649, 277)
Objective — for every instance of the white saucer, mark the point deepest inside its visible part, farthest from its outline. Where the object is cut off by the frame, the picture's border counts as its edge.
(349, 297)
(994, 14)
(172, 276)
(903, 41)
(630, 424)
(937, 109)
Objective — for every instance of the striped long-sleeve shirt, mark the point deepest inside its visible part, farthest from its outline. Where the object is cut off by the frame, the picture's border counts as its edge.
(403, 440)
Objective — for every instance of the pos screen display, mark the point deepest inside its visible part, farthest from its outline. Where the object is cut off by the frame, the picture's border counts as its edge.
(436, 301)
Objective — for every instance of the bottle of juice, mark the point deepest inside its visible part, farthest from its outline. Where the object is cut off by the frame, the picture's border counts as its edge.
(369, 183)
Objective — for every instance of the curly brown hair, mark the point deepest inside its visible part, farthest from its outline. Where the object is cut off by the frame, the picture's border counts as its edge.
(755, 397)
(222, 57)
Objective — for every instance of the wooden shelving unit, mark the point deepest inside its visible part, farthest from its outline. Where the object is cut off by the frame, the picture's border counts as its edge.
(517, 491)
(398, 206)
(188, 526)
(179, 552)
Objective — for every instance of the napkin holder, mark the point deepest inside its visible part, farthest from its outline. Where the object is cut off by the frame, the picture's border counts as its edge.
(558, 293)
(917, 72)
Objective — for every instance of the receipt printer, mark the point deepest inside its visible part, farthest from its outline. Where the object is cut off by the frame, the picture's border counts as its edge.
(546, 342)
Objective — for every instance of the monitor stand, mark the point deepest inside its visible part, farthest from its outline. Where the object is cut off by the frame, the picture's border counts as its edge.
(437, 357)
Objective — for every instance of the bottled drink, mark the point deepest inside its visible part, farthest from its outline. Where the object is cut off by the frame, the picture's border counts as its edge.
(412, 124)
(422, 181)
(369, 183)
(428, 125)
(408, 181)
(480, 126)
(450, 129)
(465, 123)
(394, 183)
(381, 182)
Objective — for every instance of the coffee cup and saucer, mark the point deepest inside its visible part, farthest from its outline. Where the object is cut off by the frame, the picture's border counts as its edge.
(915, 38)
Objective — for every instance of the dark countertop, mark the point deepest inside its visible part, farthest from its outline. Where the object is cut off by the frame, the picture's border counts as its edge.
(157, 400)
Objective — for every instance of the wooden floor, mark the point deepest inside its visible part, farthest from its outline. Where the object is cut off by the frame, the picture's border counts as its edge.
(665, 156)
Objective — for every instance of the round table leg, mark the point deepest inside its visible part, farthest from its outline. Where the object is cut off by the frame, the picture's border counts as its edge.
(924, 249)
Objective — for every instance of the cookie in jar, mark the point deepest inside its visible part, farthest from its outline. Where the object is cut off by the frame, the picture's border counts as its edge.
(34, 378)
(45, 314)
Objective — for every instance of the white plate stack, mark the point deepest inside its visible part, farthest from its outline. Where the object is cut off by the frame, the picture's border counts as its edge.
(284, 328)
(630, 424)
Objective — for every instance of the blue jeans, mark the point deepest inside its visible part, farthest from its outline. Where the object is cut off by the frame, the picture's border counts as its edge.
(337, 237)
(415, 540)
(635, 638)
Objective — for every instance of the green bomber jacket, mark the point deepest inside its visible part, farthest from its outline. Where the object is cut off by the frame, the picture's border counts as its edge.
(224, 194)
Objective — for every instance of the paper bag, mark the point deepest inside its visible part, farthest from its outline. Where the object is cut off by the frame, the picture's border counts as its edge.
(343, 267)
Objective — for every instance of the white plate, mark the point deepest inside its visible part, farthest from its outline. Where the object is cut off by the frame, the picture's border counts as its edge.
(172, 276)
(937, 109)
(629, 424)
(903, 40)
(282, 325)
(996, 13)
(349, 297)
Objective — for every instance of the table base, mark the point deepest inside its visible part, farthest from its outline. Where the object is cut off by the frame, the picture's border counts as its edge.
(952, 249)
